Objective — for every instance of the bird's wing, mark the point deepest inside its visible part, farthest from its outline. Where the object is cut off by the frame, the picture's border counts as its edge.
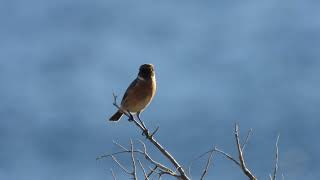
(129, 89)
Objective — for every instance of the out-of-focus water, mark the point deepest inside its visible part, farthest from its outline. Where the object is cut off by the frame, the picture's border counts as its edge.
(217, 63)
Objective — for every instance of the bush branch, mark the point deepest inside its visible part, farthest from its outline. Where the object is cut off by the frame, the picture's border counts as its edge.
(275, 170)
(151, 138)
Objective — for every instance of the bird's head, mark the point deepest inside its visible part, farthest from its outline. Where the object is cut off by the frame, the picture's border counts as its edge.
(146, 71)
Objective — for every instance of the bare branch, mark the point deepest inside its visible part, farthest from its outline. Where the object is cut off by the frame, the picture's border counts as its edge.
(191, 163)
(120, 165)
(118, 107)
(134, 167)
(143, 170)
(157, 164)
(274, 175)
(147, 156)
(162, 168)
(114, 154)
(207, 165)
(241, 162)
(151, 138)
(113, 175)
(247, 139)
(215, 149)
(227, 156)
(141, 122)
(114, 98)
(155, 131)
(152, 171)
(245, 170)
(195, 159)
(119, 145)
(168, 156)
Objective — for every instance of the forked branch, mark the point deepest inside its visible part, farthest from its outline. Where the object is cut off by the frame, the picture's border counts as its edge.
(241, 160)
(160, 169)
(151, 138)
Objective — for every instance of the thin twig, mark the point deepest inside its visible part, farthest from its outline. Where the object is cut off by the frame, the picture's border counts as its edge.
(125, 112)
(241, 163)
(119, 145)
(113, 175)
(162, 168)
(195, 159)
(275, 170)
(152, 171)
(141, 122)
(245, 170)
(116, 153)
(120, 165)
(215, 149)
(227, 156)
(205, 171)
(154, 142)
(143, 170)
(159, 165)
(247, 139)
(155, 131)
(134, 167)
(147, 157)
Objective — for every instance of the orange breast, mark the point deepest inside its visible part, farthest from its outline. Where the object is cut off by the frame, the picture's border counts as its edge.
(139, 96)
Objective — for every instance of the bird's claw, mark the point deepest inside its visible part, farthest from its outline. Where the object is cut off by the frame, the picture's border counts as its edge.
(130, 117)
(145, 133)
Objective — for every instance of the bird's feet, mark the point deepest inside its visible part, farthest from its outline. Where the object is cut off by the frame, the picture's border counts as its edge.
(145, 132)
(130, 119)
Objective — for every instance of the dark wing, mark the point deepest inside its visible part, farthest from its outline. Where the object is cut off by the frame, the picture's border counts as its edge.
(130, 88)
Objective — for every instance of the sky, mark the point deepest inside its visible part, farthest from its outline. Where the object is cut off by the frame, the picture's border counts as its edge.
(255, 63)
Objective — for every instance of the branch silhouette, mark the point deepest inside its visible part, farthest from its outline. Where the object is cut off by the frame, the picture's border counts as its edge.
(150, 136)
(159, 169)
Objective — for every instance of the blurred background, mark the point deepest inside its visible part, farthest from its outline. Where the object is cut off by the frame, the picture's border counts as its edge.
(217, 63)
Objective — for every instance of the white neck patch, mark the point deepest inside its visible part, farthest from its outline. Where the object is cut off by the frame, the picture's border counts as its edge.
(141, 78)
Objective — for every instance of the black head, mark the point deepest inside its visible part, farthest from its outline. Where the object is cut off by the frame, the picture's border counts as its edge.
(146, 71)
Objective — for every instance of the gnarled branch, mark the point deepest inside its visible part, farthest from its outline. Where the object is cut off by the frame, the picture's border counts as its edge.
(151, 138)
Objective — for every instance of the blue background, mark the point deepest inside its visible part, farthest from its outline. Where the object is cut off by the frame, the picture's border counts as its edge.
(217, 63)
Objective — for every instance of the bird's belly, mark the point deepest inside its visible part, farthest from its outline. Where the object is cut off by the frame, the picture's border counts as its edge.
(137, 104)
(139, 97)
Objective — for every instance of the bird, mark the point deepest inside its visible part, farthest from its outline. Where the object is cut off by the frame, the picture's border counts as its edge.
(139, 94)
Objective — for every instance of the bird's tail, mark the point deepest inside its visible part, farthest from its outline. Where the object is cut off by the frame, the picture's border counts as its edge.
(116, 116)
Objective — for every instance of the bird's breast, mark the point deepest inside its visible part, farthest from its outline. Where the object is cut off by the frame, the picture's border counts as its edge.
(140, 95)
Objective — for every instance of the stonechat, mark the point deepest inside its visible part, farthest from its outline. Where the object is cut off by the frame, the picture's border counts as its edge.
(139, 94)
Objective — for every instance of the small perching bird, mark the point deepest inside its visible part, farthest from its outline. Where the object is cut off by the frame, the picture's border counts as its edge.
(139, 94)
